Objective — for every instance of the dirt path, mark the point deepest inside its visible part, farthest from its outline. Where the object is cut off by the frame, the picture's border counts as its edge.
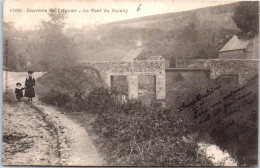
(82, 151)
(42, 135)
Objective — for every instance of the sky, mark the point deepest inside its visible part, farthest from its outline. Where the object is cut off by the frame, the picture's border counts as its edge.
(130, 9)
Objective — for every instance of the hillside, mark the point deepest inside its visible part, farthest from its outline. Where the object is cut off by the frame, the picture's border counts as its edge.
(197, 33)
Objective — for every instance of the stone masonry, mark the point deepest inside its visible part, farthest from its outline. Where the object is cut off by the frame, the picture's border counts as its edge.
(132, 69)
(245, 69)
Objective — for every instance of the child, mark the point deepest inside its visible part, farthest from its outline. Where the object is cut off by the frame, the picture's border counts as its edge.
(19, 91)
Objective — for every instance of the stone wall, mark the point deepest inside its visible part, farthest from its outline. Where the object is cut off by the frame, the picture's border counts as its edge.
(182, 82)
(245, 69)
(193, 63)
(172, 84)
(132, 69)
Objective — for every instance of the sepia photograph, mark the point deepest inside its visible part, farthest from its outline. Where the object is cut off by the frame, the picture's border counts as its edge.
(130, 83)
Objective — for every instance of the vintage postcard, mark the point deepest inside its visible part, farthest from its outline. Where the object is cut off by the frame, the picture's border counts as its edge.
(130, 83)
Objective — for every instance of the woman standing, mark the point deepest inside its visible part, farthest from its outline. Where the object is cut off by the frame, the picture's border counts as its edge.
(29, 84)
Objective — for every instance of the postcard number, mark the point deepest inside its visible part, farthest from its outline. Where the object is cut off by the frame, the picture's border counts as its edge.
(15, 10)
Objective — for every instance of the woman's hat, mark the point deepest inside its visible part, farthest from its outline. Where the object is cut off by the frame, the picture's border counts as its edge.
(18, 84)
(30, 72)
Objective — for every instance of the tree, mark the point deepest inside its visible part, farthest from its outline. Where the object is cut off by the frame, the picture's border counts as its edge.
(55, 49)
(10, 48)
(198, 40)
(247, 19)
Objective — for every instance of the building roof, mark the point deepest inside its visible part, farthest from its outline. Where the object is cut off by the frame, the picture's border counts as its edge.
(133, 54)
(235, 44)
(157, 57)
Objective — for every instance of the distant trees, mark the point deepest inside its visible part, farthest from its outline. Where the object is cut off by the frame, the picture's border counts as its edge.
(14, 58)
(246, 17)
(39, 49)
(54, 49)
(198, 39)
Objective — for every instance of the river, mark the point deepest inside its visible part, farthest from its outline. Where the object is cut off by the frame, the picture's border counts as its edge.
(218, 157)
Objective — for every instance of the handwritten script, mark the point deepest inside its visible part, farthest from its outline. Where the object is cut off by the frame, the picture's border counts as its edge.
(219, 109)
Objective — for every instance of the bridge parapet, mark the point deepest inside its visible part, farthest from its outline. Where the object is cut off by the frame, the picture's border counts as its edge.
(132, 69)
(193, 63)
(244, 68)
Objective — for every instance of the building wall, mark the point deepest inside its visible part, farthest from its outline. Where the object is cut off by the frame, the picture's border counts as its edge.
(234, 54)
(252, 51)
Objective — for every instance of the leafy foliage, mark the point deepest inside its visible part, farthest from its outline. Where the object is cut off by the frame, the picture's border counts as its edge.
(67, 87)
(246, 17)
(40, 49)
(14, 58)
(56, 49)
(131, 134)
(137, 135)
(57, 98)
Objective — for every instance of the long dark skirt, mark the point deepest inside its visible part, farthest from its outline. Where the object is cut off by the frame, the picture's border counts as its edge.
(29, 92)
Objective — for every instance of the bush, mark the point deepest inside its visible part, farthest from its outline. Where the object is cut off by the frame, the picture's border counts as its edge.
(69, 87)
(137, 135)
(56, 98)
(76, 80)
(131, 134)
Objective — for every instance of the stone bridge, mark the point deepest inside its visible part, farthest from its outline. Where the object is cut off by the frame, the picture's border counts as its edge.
(132, 69)
(244, 69)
